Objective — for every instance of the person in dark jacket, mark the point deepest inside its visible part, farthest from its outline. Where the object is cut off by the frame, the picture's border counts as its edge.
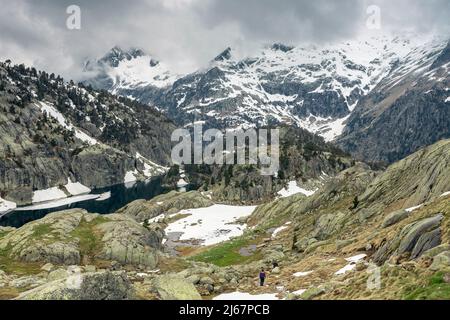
(262, 277)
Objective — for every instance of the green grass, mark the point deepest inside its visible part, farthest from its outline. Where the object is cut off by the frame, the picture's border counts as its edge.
(436, 289)
(3, 233)
(41, 230)
(9, 265)
(227, 253)
(90, 240)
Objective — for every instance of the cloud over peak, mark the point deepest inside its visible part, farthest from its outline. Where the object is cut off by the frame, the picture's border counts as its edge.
(189, 33)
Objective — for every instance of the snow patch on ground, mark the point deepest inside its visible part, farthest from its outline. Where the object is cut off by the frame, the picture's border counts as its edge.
(156, 219)
(334, 129)
(246, 296)
(104, 196)
(181, 183)
(151, 168)
(130, 178)
(6, 206)
(445, 194)
(49, 194)
(352, 264)
(211, 225)
(76, 188)
(139, 72)
(302, 274)
(54, 113)
(414, 208)
(293, 188)
(280, 229)
(299, 292)
(59, 203)
(356, 258)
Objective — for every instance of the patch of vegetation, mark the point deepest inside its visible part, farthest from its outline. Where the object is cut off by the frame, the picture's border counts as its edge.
(8, 293)
(172, 264)
(41, 230)
(227, 253)
(436, 289)
(90, 239)
(10, 265)
(3, 233)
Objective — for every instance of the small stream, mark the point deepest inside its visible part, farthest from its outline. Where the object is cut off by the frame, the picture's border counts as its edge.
(120, 196)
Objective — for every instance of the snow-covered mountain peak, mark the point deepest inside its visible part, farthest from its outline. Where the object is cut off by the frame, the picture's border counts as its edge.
(281, 47)
(130, 69)
(116, 55)
(316, 86)
(224, 56)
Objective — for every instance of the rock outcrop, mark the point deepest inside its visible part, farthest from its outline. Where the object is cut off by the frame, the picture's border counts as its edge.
(414, 239)
(166, 204)
(413, 180)
(406, 111)
(88, 286)
(172, 287)
(395, 217)
(126, 242)
(73, 237)
(52, 131)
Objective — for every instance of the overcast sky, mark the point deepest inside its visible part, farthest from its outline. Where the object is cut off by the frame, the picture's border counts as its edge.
(188, 33)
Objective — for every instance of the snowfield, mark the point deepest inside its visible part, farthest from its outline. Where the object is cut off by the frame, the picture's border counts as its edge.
(414, 208)
(211, 225)
(181, 183)
(280, 229)
(60, 202)
(49, 194)
(76, 189)
(293, 188)
(352, 264)
(299, 292)
(130, 179)
(445, 194)
(6, 206)
(104, 196)
(139, 71)
(302, 274)
(150, 168)
(54, 113)
(56, 193)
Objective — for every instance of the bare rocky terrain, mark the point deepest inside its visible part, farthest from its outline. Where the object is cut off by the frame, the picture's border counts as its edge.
(365, 234)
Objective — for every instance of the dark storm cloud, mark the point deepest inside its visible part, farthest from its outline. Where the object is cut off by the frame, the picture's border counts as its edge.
(289, 20)
(187, 33)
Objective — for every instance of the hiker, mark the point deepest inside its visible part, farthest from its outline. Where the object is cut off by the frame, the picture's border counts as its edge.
(262, 277)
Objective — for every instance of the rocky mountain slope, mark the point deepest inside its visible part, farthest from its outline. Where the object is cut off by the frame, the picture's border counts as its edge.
(364, 234)
(55, 134)
(129, 73)
(408, 109)
(303, 157)
(393, 222)
(381, 88)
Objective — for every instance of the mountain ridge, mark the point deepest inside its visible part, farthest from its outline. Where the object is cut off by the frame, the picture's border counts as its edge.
(316, 88)
(55, 132)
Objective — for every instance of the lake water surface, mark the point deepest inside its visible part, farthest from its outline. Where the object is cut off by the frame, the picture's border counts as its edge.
(120, 196)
